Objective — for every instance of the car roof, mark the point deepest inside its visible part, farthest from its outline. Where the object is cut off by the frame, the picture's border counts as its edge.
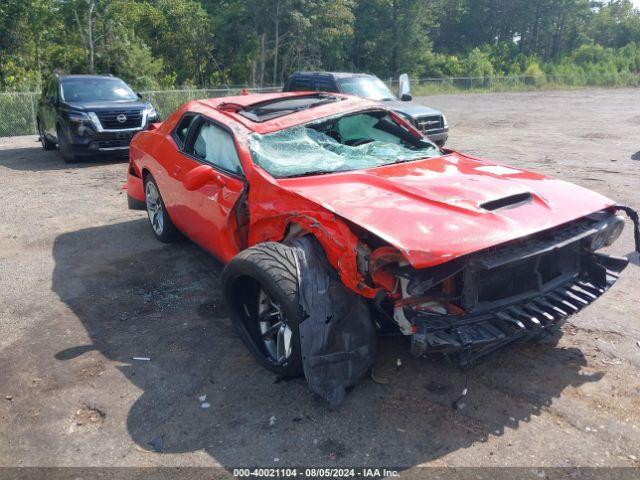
(231, 106)
(334, 75)
(73, 76)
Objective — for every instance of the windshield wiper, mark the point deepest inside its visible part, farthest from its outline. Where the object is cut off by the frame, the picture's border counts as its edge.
(405, 160)
(312, 172)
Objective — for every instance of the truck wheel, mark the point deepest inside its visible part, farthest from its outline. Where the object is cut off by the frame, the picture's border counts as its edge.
(46, 143)
(63, 146)
(162, 226)
(261, 291)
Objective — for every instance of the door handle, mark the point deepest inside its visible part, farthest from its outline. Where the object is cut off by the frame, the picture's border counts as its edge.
(219, 180)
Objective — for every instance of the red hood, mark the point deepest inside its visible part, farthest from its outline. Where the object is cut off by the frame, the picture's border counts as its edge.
(430, 209)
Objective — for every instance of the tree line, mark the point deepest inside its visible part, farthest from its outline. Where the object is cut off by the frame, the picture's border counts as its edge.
(169, 43)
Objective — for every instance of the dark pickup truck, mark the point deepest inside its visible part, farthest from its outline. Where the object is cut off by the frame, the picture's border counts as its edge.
(431, 122)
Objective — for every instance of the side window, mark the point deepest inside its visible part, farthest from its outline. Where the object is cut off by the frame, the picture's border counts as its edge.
(182, 129)
(215, 145)
(325, 86)
(300, 85)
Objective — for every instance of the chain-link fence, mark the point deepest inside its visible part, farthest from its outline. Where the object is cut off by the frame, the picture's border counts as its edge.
(435, 86)
(18, 113)
(18, 110)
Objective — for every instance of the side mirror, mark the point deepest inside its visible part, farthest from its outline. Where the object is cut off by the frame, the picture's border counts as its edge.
(406, 97)
(404, 88)
(139, 95)
(200, 176)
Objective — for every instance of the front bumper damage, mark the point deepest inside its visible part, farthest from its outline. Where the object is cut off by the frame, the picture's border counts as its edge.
(520, 292)
(474, 336)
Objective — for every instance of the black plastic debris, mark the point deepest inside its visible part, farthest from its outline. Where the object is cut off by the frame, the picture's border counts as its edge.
(459, 402)
(337, 337)
(635, 218)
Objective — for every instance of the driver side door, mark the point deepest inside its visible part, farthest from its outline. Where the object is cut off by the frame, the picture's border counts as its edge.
(207, 214)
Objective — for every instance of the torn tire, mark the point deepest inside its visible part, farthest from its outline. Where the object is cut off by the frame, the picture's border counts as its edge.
(338, 338)
(261, 290)
(333, 339)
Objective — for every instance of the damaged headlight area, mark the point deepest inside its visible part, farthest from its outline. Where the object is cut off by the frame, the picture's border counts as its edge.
(471, 306)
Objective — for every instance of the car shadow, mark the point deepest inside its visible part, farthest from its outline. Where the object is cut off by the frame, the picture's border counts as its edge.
(139, 298)
(35, 159)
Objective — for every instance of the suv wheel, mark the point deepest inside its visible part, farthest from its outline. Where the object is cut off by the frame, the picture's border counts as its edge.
(46, 143)
(63, 145)
(162, 226)
(261, 290)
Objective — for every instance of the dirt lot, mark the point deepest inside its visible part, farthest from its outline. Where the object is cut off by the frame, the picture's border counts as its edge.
(84, 287)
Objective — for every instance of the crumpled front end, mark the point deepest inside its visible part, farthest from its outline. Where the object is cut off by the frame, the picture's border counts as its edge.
(474, 305)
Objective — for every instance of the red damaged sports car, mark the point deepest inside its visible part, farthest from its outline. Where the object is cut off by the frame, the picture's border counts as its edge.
(337, 218)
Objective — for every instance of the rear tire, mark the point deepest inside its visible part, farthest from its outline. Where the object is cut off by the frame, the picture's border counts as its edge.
(161, 225)
(63, 146)
(46, 143)
(261, 291)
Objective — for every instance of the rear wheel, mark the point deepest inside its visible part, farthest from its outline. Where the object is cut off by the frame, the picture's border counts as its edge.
(261, 290)
(63, 146)
(162, 226)
(46, 143)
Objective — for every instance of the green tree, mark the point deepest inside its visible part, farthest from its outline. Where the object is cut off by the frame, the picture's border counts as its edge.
(478, 64)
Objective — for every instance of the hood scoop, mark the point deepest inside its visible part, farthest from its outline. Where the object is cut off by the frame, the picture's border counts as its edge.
(507, 202)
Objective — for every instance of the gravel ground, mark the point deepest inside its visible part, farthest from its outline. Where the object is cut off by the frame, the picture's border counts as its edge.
(84, 287)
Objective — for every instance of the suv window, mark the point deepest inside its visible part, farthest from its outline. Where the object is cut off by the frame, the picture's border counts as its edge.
(300, 85)
(102, 89)
(182, 129)
(215, 146)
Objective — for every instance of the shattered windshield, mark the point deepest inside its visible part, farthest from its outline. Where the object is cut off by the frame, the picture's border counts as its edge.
(352, 142)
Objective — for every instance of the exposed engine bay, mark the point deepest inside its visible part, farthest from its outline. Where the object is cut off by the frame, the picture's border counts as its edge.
(473, 305)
